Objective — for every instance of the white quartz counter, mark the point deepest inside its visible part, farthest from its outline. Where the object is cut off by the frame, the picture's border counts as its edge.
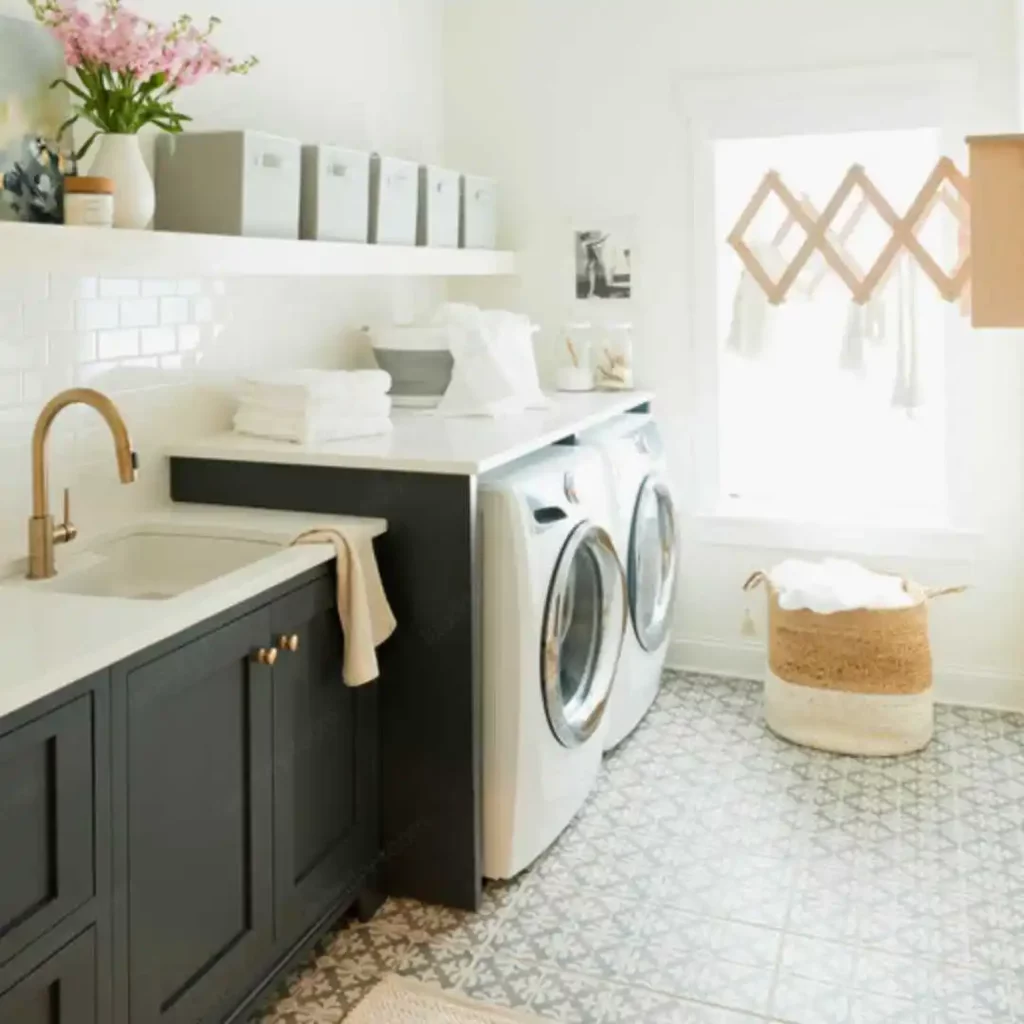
(54, 639)
(424, 442)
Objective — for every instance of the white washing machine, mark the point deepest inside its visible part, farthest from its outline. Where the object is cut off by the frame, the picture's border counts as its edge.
(554, 619)
(646, 536)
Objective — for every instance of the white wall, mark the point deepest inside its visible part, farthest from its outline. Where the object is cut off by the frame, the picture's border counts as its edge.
(575, 106)
(348, 71)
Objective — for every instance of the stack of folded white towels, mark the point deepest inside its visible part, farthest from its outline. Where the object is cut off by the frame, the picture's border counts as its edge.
(313, 406)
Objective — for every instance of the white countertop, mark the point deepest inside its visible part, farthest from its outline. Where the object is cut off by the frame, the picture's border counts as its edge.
(55, 639)
(424, 442)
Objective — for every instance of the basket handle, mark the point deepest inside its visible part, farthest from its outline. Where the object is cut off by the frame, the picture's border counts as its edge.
(755, 579)
(933, 592)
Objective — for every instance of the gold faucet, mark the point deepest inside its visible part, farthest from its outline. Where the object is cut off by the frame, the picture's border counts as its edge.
(43, 534)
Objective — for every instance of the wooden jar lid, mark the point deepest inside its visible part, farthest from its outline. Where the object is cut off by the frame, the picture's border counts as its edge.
(84, 185)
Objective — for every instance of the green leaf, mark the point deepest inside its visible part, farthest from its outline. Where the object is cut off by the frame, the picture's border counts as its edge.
(88, 145)
(67, 124)
(71, 87)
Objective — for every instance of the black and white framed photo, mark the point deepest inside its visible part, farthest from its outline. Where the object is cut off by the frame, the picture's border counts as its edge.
(604, 261)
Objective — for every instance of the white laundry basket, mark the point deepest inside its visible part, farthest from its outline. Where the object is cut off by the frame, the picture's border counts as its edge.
(851, 682)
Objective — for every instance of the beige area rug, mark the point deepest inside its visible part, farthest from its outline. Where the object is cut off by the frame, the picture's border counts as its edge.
(404, 1001)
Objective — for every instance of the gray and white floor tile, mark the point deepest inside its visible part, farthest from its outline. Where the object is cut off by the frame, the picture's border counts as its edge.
(721, 876)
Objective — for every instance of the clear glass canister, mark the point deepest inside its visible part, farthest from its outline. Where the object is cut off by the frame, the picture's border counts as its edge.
(615, 358)
(576, 372)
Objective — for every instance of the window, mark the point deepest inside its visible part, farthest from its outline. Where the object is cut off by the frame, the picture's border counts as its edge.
(815, 410)
(814, 413)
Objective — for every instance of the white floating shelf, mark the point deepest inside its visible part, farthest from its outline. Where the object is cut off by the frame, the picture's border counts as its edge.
(99, 250)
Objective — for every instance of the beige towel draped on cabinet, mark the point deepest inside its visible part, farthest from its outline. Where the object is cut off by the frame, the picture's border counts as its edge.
(366, 617)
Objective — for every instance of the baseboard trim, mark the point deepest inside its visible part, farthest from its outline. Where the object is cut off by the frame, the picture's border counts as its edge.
(953, 685)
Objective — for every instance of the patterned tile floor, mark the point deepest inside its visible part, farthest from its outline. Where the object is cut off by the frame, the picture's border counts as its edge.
(721, 876)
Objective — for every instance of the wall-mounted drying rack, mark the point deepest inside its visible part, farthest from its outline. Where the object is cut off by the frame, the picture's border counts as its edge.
(946, 185)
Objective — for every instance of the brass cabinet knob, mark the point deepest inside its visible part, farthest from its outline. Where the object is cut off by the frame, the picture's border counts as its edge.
(266, 655)
(288, 643)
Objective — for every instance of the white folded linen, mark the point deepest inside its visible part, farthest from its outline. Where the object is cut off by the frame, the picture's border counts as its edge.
(302, 429)
(300, 387)
(354, 406)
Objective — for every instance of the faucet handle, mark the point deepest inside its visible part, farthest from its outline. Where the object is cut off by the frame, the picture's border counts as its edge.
(67, 531)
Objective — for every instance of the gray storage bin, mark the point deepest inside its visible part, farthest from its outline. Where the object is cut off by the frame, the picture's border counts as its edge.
(438, 223)
(228, 183)
(393, 200)
(479, 213)
(335, 194)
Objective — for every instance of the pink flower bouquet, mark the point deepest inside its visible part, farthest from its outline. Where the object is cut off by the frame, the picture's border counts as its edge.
(129, 68)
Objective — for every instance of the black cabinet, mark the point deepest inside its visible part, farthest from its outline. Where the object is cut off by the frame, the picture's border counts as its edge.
(325, 763)
(193, 825)
(61, 990)
(46, 823)
(174, 830)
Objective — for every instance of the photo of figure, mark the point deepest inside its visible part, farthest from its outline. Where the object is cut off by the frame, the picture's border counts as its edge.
(603, 265)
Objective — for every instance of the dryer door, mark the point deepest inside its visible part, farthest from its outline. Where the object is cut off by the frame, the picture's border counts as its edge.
(584, 626)
(652, 563)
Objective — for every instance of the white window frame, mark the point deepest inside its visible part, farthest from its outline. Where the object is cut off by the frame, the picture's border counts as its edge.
(862, 98)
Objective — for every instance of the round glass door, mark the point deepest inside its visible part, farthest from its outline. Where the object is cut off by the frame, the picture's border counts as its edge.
(653, 563)
(584, 626)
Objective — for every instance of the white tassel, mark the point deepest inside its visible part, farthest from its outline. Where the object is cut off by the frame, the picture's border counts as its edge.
(750, 316)
(851, 355)
(908, 390)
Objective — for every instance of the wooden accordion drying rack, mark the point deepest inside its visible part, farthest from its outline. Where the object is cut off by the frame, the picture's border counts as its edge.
(946, 185)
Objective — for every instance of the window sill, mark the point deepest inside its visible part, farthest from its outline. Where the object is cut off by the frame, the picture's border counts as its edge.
(746, 527)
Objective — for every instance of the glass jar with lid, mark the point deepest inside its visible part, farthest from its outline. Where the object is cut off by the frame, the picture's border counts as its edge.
(615, 358)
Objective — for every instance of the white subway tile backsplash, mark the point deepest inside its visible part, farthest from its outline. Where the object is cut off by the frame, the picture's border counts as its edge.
(202, 309)
(10, 317)
(144, 342)
(10, 388)
(117, 344)
(73, 286)
(24, 286)
(174, 310)
(189, 337)
(50, 315)
(156, 286)
(97, 314)
(140, 312)
(156, 340)
(118, 287)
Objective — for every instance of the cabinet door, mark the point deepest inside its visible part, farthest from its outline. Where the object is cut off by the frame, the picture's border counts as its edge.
(193, 792)
(325, 763)
(62, 990)
(46, 823)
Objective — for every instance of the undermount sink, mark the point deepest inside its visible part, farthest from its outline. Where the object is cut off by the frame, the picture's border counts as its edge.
(154, 563)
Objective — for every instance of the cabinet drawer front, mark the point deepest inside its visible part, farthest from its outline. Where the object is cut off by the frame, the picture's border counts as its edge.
(325, 749)
(194, 780)
(46, 813)
(61, 990)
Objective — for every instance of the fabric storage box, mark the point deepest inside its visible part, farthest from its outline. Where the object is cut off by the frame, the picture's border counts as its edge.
(419, 360)
(851, 682)
(394, 196)
(438, 207)
(228, 183)
(335, 194)
(479, 221)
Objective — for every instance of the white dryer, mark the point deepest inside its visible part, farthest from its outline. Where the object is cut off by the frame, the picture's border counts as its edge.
(554, 619)
(646, 536)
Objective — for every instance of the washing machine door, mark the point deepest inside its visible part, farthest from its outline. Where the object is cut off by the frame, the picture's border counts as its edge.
(652, 562)
(584, 626)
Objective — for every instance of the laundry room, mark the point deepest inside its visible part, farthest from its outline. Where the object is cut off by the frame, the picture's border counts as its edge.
(511, 512)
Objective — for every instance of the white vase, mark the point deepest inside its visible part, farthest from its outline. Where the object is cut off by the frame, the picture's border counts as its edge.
(119, 158)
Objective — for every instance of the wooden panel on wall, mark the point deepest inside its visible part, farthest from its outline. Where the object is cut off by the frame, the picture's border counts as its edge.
(997, 230)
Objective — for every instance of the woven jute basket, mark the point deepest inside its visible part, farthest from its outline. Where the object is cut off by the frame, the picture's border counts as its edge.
(855, 681)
